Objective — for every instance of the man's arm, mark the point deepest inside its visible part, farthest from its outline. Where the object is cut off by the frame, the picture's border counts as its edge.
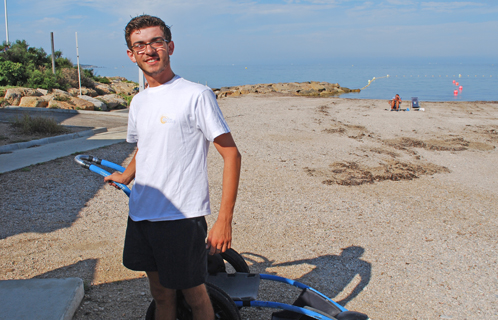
(220, 235)
(126, 177)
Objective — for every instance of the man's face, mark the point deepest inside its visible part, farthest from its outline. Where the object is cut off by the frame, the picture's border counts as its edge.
(153, 61)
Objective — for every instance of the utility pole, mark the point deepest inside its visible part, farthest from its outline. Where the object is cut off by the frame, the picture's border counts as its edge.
(141, 80)
(78, 61)
(6, 24)
(53, 57)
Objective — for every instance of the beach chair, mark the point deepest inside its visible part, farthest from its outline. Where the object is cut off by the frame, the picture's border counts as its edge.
(415, 104)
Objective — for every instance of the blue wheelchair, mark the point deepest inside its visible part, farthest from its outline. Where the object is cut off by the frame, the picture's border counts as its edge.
(236, 287)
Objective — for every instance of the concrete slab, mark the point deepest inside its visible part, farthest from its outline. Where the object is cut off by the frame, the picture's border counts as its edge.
(41, 299)
(25, 157)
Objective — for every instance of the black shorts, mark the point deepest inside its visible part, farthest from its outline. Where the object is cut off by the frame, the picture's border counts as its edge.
(176, 249)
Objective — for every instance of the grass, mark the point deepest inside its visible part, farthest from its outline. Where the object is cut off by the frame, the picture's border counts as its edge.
(126, 97)
(37, 125)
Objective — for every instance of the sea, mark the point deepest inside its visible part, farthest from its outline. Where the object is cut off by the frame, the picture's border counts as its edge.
(427, 80)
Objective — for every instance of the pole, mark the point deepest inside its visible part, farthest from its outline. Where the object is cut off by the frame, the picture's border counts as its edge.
(53, 57)
(6, 24)
(141, 80)
(78, 62)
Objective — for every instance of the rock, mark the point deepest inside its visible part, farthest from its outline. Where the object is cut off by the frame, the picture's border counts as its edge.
(33, 102)
(82, 104)
(58, 92)
(113, 101)
(75, 92)
(71, 103)
(310, 88)
(123, 87)
(42, 91)
(98, 104)
(14, 95)
(54, 104)
(103, 89)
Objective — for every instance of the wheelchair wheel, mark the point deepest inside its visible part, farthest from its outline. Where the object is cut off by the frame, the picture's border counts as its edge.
(223, 305)
(235, 260)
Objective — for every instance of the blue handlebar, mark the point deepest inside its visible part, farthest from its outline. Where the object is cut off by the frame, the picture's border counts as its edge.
(87, 162)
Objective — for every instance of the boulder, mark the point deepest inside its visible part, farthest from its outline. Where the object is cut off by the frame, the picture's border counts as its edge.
(33, 102)
(59, 92)
(82, 104)
(113, 101)
(123, 87)
(103, 89)
(75, 92)
(98, 104)
(42, 91)
(54, 104)
(72, 103)
(14, 95)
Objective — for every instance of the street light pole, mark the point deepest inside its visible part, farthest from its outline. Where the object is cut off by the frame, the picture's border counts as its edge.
(6, 23)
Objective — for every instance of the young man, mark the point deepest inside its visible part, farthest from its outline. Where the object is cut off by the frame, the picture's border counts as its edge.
(173, 122)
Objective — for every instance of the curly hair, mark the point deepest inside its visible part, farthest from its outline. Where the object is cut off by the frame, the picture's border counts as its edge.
(146, 21)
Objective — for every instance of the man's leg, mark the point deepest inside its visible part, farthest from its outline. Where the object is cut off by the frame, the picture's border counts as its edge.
(165, 298)
(198, 300)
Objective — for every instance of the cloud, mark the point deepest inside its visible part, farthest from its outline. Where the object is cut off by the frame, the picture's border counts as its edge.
(49, 21)
(449, 6)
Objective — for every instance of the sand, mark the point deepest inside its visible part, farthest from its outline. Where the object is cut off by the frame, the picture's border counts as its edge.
(393, 214)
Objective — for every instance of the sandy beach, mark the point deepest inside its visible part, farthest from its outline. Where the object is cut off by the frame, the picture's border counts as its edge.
(393, 214)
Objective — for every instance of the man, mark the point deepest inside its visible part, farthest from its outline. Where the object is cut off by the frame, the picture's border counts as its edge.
(173, 122)
(395, 102)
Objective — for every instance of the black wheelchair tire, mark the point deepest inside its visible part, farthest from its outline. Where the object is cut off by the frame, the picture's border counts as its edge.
(223, 305)
(235, 259)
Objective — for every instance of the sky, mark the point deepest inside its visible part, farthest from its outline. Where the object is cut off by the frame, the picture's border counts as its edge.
(225, 32)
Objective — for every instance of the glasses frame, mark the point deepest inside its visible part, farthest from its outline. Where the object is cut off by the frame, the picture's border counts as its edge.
(156, 40)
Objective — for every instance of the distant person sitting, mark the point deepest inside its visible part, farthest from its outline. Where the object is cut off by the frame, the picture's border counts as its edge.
(395, 102)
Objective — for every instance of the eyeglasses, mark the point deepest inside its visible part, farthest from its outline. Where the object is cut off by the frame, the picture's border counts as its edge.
(140, 47)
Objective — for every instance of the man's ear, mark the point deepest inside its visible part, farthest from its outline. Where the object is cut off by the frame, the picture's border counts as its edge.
(171, 47)
(131, 56)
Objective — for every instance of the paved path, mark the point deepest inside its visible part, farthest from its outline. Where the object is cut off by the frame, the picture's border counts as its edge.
(112, 128)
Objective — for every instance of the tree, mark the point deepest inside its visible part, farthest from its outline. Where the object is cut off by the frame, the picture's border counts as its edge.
(22, 65)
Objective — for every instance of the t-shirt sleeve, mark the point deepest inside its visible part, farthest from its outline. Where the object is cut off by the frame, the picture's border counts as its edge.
(132, 134)
(209, 118)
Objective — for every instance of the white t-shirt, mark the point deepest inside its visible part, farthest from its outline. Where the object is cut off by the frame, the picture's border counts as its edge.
(173, 125)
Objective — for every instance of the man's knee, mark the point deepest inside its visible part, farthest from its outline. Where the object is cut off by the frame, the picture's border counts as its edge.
(197, 297)
(160, 294)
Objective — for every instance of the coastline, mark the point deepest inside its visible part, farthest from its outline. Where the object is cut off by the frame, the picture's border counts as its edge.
(391, 213)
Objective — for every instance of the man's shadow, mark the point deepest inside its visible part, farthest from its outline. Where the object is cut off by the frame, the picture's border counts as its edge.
(331, 275)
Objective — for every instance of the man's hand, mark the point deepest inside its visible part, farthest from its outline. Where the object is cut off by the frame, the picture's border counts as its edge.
(117, 177)
(124, 178)
(220, 237)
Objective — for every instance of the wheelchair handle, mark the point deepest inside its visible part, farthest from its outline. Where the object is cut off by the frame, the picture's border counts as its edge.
(87, 162)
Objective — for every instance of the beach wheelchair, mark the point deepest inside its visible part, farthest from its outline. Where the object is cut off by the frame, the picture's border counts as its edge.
(231, 286)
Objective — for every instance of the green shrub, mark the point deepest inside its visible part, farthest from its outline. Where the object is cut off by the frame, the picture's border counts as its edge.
(126, 97)
(12, 73)
(103, 80)
(33, 125)
(44, 79)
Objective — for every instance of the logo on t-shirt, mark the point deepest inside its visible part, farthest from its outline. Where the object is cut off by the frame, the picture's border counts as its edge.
(167, 119)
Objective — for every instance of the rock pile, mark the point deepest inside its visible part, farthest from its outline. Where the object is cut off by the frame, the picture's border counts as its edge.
(102, 97)
(311, 88)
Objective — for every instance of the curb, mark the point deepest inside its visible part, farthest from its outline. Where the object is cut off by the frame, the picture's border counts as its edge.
(41, 298)
(40, 142)
(14, 109)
